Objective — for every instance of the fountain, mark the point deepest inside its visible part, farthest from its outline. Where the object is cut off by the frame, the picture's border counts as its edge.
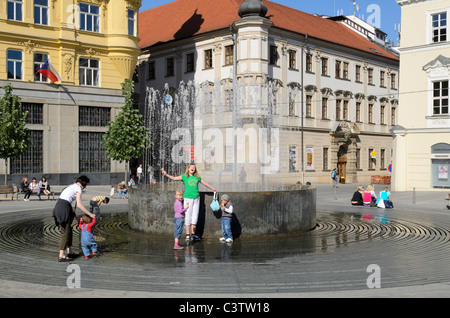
(195, 123)
(232, 130)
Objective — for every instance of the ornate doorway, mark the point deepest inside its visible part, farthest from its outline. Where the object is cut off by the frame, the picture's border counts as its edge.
(345, 136)
(342, 163)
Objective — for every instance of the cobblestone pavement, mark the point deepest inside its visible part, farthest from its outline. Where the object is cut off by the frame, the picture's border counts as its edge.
(408, 247)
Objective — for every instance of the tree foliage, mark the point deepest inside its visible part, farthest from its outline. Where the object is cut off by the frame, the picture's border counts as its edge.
(126, 137)
(14, 137)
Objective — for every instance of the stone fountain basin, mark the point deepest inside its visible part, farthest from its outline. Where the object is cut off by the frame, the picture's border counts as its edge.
(258, 211)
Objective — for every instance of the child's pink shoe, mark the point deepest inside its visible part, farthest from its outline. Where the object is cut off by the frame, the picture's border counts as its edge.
(177, 247)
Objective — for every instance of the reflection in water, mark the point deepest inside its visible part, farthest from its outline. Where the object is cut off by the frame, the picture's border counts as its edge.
(333, 231)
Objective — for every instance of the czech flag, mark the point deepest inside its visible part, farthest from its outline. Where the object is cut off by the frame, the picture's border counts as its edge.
(50, 72)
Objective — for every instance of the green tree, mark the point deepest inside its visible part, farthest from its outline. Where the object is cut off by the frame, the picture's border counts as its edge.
(14, 137)
(126, 137)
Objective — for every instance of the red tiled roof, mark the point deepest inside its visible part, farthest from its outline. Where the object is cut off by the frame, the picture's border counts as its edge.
(185, 18)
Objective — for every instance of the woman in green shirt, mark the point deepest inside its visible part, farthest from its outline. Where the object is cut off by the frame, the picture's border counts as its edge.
(191, 179)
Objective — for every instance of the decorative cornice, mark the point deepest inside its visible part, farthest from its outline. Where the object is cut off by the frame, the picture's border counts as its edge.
(29, 46)
(439, 62)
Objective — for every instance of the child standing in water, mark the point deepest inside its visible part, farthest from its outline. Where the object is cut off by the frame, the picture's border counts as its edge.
(95, 205)
(179, 218)
(227, 213)
(191, 179)
(88, 242)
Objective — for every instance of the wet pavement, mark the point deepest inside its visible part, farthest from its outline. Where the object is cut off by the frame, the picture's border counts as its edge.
(408, 247)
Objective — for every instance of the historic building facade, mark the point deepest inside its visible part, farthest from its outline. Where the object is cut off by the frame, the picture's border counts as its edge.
(93, 45)
(422, 136)
(333, 92)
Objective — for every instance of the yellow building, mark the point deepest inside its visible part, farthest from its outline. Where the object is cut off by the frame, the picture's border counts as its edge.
(93, 45)
(422, 137)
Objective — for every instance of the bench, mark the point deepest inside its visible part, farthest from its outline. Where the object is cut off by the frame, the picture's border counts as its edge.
(8, 189)
(51, 194)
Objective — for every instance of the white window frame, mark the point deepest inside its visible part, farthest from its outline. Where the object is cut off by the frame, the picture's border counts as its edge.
(38, 64)
(14, 61)
(429, 26)
(440, 98)
(43, 10)
(15, 3)
(131, 21)
(89, 15)
(84, 73)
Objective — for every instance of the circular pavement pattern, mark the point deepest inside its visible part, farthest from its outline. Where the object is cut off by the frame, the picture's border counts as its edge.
(339, 254)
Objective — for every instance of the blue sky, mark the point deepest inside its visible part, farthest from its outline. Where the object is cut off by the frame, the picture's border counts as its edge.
(384, 14)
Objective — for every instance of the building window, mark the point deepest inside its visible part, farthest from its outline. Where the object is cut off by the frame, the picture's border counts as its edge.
(440, 98)
(170, 66)
(229, 55)
(35, 113)
(370, 113)
(358, 73)
(382, 83)
(94, 116)
(338, 69)
(32, 160)
(324, 61)
(345, 71)
(292, 111)
(190, 64)
(273, 58)
(308, 106)
(89, 17)
(93, 156)
(370, 76)
(228, 100)
(382, 108)
(41, 12)
(382, 158)
(439, 27)
(293, 60)
(208, 59)
(273, 101)
(345, 110)
(338, 109)
(325, 159)
(15, 10)
(393, 81)
(309, 63)
(15, 63)
(89, 72)
(371, 160)
(151, 70)
(393, 120)
(292, 158)
(358, 112)
(358, 158)
(131, 22)
(39, 60)
(324, 108)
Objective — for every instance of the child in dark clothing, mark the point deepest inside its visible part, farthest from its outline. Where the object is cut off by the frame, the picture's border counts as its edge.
(88, 242)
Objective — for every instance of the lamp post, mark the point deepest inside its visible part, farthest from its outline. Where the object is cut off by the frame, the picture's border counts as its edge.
(302, 111)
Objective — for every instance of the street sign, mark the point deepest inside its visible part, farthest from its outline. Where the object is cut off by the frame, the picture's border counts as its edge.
(390, 167)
